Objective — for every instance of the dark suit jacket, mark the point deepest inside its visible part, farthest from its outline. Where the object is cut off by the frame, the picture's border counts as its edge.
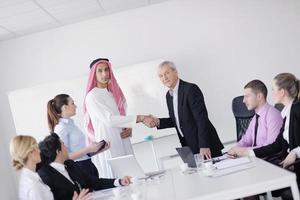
(280, 144)
(198, 131)
(63, 189)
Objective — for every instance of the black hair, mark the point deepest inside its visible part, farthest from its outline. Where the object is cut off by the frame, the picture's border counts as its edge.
(49, 147)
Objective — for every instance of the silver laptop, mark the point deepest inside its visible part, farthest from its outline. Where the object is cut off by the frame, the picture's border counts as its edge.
(128, 166)
(187, 156)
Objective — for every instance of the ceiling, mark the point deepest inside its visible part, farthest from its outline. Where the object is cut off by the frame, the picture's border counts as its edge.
(21, 17)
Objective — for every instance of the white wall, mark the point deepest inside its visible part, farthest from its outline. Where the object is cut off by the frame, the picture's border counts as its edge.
(141, 97)
(218, 44)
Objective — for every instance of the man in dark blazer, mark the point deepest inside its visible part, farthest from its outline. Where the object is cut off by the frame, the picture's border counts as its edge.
(63, 176)
(188, 114)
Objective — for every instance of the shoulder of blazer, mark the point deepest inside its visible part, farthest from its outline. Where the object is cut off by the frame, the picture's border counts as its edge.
(70, 164)
(47, 173)
(296, 107)
(45, 168)
(186, 86)
(183, 85)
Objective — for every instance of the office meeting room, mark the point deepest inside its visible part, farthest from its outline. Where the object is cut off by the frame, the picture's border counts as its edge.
(150, 99)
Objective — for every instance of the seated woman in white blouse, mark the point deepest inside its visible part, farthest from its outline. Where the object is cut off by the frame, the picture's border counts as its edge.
(25, 155)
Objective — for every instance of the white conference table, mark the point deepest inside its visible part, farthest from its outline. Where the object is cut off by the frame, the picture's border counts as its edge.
(260, 177)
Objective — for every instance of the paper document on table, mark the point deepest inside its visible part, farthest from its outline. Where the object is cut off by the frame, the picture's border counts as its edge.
(231, 170)
(102, 193)
(232, 162)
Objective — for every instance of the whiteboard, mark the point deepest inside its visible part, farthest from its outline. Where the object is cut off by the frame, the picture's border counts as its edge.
(141, 86)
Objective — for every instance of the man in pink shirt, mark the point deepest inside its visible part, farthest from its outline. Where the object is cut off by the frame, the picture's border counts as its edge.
(267, 121)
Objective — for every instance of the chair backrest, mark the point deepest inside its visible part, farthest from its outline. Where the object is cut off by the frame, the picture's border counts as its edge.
(242, 116)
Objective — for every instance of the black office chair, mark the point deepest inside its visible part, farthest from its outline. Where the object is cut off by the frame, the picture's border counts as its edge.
(242, 116)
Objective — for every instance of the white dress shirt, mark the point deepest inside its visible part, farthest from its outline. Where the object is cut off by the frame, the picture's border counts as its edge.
(61, 169)
(31, 187)
(174, 94)
(285, 113)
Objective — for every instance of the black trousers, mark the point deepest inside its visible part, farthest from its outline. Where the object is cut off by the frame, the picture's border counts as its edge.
(88, 167)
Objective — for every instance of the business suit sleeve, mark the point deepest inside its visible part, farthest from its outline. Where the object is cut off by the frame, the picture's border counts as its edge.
(199, 112)
(100, 183)
(94, 183)
(165, 123)
(270, 149)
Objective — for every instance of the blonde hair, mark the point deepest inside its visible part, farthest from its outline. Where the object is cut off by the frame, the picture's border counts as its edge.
(288, 82)
(20, 147)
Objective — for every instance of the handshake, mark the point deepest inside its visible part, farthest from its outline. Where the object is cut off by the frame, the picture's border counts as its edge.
(148, 120)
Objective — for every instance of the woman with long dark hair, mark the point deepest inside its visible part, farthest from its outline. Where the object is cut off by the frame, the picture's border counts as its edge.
(60, 109)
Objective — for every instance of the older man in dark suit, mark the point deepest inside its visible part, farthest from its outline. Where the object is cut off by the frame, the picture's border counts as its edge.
(188, 114)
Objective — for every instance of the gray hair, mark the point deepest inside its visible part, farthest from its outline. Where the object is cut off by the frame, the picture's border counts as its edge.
(169, 63)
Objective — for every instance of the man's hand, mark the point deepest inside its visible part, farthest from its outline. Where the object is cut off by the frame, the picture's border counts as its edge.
(205, 152)
(148, 120)
(125, 180)
(151, 121)
(126, 132)
(238, 152)
(291, 158)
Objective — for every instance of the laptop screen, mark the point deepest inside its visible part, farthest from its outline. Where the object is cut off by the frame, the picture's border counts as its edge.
(126, 166)
(187, 156)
